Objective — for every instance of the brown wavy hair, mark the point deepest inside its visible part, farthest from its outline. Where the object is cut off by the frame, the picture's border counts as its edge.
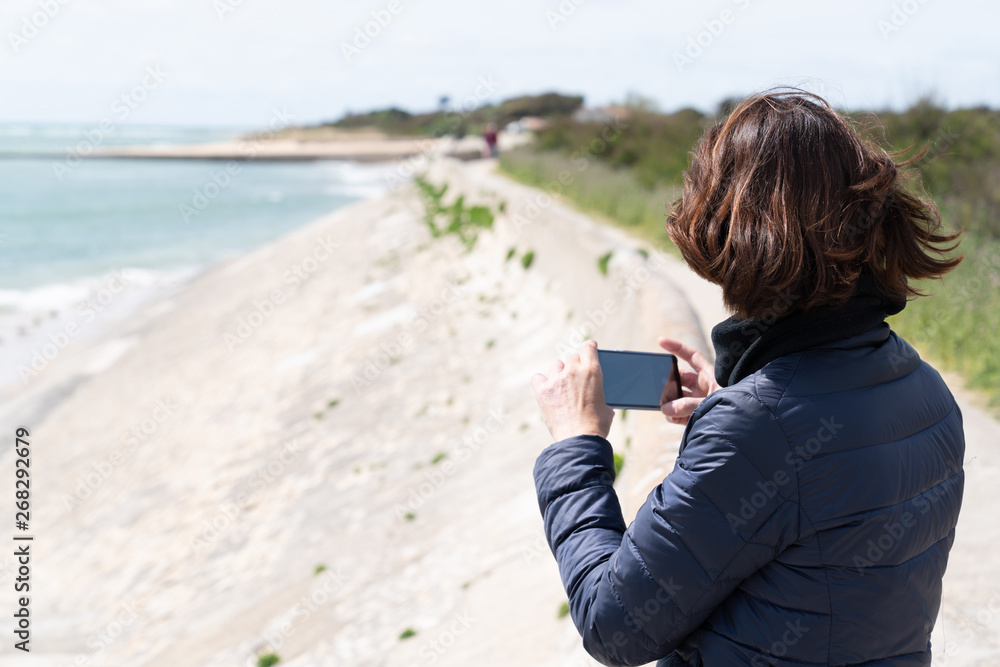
(785, 198)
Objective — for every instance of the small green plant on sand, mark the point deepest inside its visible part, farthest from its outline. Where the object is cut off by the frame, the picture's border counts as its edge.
(463, 221)
(602, 262)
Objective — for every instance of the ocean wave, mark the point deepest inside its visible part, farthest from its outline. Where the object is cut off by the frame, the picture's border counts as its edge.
(56, 297)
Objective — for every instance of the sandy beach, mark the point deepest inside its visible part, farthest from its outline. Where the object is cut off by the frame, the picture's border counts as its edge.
(326, 445)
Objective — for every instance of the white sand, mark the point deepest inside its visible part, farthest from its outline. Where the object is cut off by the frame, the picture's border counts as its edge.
(232, 438)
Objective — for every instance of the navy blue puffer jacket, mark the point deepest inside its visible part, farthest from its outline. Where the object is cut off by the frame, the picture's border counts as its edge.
(807, 520)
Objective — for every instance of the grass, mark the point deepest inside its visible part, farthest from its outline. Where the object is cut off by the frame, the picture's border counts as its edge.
(527, 259)
(958, 325)
(407, 633)
(440, 456)
(268, 659)
(599, 189)
(319, 569)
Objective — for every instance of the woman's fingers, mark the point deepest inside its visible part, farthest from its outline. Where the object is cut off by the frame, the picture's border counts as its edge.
(588, 353)
(682, 407)
(690, 379)
(695, 358)
(537, 380)
(571, 398)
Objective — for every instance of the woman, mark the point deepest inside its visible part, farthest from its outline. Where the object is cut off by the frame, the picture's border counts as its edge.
(809, 515)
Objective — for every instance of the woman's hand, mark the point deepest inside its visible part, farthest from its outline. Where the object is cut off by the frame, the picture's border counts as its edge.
(572, 396)
(697, 384)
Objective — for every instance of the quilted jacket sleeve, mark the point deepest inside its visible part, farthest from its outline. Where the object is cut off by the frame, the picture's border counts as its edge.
(728, 507)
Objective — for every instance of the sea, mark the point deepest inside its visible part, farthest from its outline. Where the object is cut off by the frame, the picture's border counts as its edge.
(74, 228)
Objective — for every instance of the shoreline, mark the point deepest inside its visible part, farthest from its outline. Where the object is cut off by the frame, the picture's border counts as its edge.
(363, 148)
(41, 312)
(31, 338)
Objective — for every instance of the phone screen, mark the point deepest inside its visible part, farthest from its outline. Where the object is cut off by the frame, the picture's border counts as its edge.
(639, 380)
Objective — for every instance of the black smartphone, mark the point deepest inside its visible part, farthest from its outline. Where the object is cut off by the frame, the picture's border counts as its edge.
(639, 380)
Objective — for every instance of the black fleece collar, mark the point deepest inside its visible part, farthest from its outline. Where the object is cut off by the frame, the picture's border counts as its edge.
(743, 347)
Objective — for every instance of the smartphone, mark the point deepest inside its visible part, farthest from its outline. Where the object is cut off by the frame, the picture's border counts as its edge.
(639, 380)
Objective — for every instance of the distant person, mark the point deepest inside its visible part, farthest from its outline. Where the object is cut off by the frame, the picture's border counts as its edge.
(813, 503)
(490, 137)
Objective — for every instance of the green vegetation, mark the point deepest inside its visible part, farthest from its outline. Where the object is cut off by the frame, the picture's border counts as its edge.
(457, 122)
(958, 325)
(563, 610)
(510, 254)
(619, 463)
(409, 516)
(329, 406)
(595, 187)
(455, 218)
(602, 262)
(527, 258)
(440, 456)
(652, 146)
(268, 659)
(629, 172)
(407, 633)
(319, 569)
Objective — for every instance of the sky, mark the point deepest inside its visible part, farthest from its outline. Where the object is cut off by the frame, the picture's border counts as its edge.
(253, 63)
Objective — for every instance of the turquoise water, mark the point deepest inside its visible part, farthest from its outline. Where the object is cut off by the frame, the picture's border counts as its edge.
(59, 226)
(71, 238)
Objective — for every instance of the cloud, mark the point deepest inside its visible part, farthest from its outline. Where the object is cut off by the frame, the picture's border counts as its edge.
(235, 65)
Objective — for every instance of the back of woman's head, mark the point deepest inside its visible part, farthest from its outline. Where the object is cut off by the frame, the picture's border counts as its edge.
(784, 203)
